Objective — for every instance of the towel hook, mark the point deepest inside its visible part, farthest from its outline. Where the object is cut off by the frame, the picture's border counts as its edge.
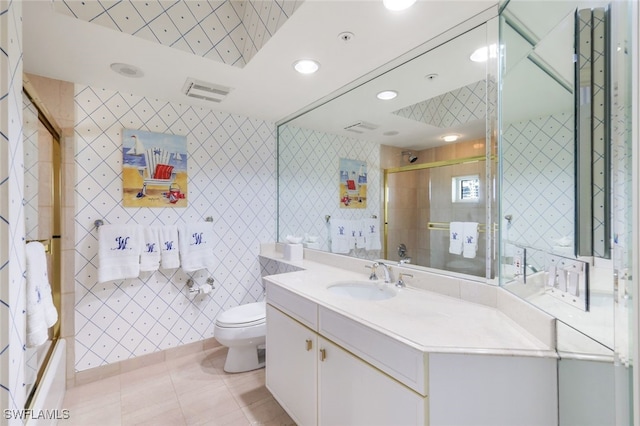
(98, 223)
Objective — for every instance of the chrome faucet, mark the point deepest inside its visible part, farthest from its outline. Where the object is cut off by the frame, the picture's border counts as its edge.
(388, 275)
(400, 283)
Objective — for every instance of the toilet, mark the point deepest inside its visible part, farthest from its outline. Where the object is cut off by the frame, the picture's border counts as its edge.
(243, 329)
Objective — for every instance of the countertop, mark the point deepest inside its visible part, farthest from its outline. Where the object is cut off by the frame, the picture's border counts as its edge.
(426, 320)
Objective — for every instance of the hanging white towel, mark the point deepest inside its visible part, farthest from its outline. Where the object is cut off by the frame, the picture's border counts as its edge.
(41, 312)
(456, 232)
(357, 232)
(119, 252)
(150, 256)
(341, 239)
(196, 246)
(470, 239)
(169, 247)
(372, 234)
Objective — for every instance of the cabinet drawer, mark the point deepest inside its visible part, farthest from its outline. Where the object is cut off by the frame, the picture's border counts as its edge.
(402, 362)
(297, 307)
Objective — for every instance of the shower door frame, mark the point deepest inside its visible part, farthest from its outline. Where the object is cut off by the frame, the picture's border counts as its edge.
(423, 166)
(53, 243)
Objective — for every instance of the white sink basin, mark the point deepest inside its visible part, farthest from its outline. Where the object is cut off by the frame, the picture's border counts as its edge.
(363, 290)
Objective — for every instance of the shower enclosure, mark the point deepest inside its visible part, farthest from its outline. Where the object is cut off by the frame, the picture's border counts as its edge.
(421, 200)
(42, 213)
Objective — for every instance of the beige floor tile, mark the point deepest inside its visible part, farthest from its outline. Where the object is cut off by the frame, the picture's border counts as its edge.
(194, 376)
(189, 390)
(281, 420)
(157, 413)
(235, 418)
(96, 411)
(264, 411)
(248, 388)
(207, 402)
(156, 390)
(97, 389)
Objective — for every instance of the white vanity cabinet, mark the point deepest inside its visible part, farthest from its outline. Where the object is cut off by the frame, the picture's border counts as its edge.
(327, 368)
(292, 362)
(318, 382)
(352, 392)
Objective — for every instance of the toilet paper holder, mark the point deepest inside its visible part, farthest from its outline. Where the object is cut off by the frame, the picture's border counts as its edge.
(197, 289)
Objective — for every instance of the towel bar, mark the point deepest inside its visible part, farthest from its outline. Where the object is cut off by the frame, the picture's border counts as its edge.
(444, 226)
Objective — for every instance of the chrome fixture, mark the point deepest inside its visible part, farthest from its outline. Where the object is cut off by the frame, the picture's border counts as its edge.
(388, 275)
(400, 283)
(373, 276)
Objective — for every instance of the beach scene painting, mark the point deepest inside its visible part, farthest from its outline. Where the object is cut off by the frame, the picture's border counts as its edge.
(154, 169)
(353, 184)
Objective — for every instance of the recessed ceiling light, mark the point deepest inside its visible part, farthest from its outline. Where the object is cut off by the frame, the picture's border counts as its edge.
(306, 66)
(483, 53)
(450, 138)
(127, 70)
(387, 95)
(396, 5)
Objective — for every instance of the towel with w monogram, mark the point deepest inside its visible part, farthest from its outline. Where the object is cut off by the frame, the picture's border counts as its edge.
(196, 246)
(119, 249)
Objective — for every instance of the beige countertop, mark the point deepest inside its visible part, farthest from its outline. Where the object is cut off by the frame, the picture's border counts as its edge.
(426, 320)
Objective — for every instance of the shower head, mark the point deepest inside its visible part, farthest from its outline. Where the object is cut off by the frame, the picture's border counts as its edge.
(412, 158)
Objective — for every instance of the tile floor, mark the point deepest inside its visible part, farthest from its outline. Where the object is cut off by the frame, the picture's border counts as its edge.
(191, 390)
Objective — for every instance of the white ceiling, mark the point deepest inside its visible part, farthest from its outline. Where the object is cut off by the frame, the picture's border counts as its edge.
(63, 47)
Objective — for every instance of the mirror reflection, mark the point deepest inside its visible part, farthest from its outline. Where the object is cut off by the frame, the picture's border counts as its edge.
(565, 191)
(416, 182)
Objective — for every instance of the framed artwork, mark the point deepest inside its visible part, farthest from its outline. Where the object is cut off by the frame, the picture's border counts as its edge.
(154, 169)
(353, 184)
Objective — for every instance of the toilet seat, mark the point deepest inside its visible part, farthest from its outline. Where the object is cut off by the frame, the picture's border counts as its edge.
(247, 315)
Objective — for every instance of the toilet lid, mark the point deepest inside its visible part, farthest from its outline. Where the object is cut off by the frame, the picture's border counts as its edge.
(243, 315)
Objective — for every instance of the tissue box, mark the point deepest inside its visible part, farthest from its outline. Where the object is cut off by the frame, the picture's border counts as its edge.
(293, 252)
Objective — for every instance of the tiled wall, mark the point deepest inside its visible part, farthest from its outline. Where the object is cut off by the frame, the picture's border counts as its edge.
(538, 169)
(450, 109)
(232, 178)
(12, 282)
(227, 31)
(309, 178)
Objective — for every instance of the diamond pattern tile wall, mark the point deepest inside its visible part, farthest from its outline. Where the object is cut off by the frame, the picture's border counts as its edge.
(12, 273)
(227, 31)
(459, 106)
(309, 178)
(232, 178)
(538, 184)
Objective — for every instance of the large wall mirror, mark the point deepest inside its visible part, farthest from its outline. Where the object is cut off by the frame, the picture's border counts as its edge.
(408, 182)
(565, 190)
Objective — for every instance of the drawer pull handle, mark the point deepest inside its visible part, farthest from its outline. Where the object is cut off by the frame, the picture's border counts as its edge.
(323, 354)
(309, 344)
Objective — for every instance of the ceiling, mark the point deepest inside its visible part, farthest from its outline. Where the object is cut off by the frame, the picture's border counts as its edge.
(64, 41)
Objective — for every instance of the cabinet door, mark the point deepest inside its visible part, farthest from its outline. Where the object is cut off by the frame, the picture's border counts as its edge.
(291, 366)
(352, 392)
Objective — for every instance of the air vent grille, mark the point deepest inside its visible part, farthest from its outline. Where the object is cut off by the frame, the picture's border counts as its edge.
(360, 127)
(205, 91)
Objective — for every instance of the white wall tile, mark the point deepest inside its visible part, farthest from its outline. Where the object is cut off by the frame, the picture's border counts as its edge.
(120, 320)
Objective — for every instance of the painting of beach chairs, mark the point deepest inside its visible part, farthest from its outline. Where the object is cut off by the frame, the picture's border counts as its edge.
(154, 169)
(353, 184)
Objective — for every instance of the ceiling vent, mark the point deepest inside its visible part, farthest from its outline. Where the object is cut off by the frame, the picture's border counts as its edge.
(360, 127)
(206, 91)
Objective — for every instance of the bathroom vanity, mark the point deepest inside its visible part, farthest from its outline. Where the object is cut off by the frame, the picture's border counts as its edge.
(410, 356)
